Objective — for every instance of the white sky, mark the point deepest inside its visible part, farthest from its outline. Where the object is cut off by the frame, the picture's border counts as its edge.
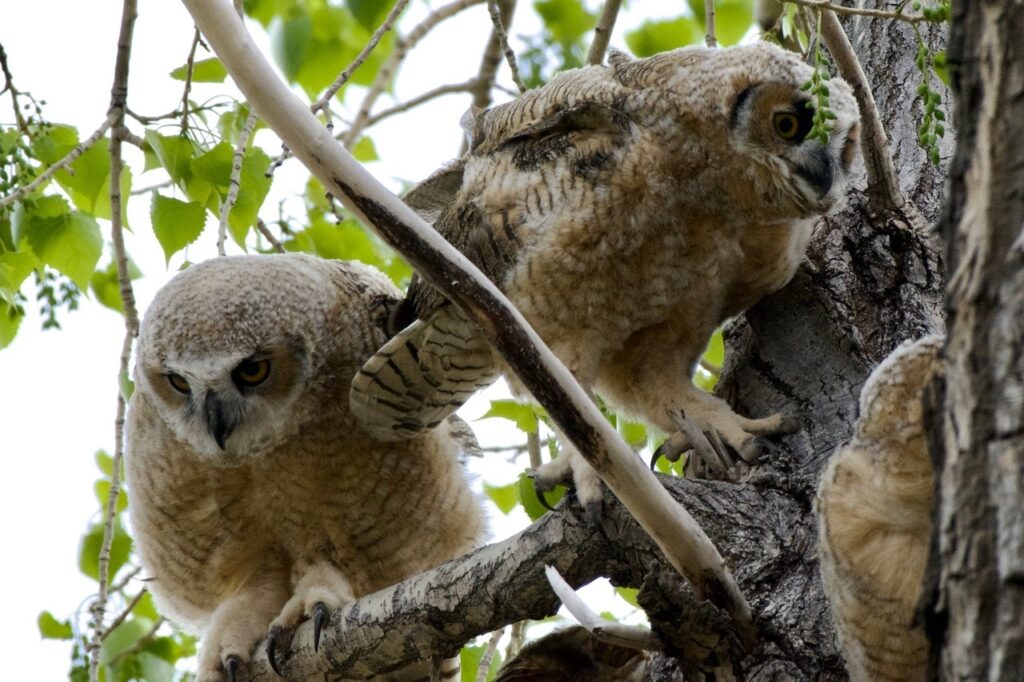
(58, 388)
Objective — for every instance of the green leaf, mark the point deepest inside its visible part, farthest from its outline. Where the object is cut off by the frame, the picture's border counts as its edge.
(660, 36)
(369, 13)
(54, 144)
(10, 320)
(364, 150)
(349, 241)
(107, 288)
(531, 503)
(145, 608)
(733, 19)
(715, 352)
(215, 166)
(505, 497)
(15, 267)
(51, 628)
(567, 20)
(89, 550)
(70, 242)
(632, 432)
(104, 462)
(153, 668)
(629, 594)
(102, 489)
(523, 414)
(289, 42)
(176, 224)
(87, 181)
(253, 186)
(174, 154)
(122, 637)
(125, 385)
(204, 71)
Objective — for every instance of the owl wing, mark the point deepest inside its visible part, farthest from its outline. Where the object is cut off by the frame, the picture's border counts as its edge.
(438, 358)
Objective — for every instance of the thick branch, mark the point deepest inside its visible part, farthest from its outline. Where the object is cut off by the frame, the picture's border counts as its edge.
(687, 547)
(764, 534)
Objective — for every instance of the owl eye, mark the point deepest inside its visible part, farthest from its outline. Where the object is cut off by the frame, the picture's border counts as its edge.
(179, 384)
(786, 125)
(251, 373)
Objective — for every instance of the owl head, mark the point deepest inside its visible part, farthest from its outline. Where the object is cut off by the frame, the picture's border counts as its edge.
(718, 133)
(237, 355)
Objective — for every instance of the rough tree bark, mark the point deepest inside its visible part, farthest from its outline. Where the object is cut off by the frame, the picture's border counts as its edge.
(871, 281)
(974, 618)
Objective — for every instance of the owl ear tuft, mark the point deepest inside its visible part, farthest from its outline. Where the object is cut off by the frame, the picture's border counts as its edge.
(430, 197)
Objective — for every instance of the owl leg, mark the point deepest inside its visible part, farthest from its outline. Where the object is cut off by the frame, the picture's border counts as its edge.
(237, 626)
(570, 466)
(319, 588)
(722, 442)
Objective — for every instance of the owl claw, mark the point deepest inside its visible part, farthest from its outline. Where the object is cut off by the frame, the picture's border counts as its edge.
(673, 447)
(271, 646)
(231, 665)
(321, 614)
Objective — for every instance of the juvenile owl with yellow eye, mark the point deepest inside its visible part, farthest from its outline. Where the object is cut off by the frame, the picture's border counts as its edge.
(627, 210)
(256, 498)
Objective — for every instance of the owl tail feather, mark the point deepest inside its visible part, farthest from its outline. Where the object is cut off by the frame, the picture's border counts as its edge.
(422, 375)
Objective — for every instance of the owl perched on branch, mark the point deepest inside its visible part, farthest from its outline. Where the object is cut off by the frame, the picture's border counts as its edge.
(257, 500)
(627, 210)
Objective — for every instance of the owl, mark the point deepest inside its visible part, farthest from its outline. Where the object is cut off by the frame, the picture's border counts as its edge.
(874, 521)
(627, 210)
(257, 500)
(574, 654)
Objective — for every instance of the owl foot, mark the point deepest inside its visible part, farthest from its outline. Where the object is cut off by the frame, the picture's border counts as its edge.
(571, 468)
(722, 444)
(231, 666)
(319, 589)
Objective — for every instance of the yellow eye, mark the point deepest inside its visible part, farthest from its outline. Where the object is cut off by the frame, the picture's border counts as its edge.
(178, 383)
(250, 373)
(786, 125)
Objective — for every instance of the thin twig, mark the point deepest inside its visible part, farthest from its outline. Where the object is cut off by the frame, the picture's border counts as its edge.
(151, 188)
(487, 656)
(709, 368)
(533, 449)
(116, 114)
(709, 23)
(389, 21)
(120, 618)
(190, 65)
(440, 91)
(9, 87)
(402, 47)
(491, 59)
(268, 235)
(603, 32)
(510, 55)
(127, 578)
(883, 188)
(896, 15)
(68, 159)
(516, 639)
(138, 644)
(235, 183)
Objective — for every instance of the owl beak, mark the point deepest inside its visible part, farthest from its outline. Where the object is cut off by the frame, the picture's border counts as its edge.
(217, 422)
(817, 168)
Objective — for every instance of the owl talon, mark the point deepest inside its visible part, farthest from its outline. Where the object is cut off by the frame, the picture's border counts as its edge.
(321, 614)
(275, 632)
(231, 665)
(672, 449)
(541, 494)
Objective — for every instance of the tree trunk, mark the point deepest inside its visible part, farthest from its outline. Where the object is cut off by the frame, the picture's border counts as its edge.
(974, 620)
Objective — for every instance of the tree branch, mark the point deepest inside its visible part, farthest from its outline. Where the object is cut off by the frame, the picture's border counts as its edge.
(709, 23)
(510, 55)
(825, 5)
(116, 114)
(491, 58)
(883, 185)
(603, 31)
(234, 183)
(674, 530)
